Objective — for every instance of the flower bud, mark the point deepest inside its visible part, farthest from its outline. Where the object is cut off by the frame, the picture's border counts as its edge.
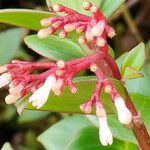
(43, 33)
(124, 115)
(94, 9)
(100, 42)
(69, 27)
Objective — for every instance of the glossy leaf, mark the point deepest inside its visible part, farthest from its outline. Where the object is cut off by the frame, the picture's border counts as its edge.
(54, 48)
(80, 135)
(9, 43)
(23, 17)
(31, 116)
(70, 103)
(140, 85)
(135, 58)
(131, 73)
(108, 7)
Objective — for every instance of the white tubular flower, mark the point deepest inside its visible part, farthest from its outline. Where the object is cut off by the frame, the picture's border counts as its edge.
(40, 96)
(105, 134)
(124, 114)
(57, 86)
(5, 78)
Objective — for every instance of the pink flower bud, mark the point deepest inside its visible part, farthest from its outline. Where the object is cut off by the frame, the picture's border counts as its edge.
(82, 40)
(10, 99)
(63, 34)
(43, 33)
(86, 107)
(69, 27)
(57, 8)
(56, 24)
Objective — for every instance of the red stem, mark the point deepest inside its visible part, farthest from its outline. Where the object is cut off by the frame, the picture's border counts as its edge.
(137, 125)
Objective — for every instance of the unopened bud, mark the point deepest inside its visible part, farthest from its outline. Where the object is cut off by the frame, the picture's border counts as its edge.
(63, 34)
(10, 99)
(56, 24)
(80, 29)
(93, 67)
(110, 31)
(89, 35)
(94, 9)
(86, 5)
(100, 42)
(43, 33)
(45, 22)
(73, 89)
(58, 92)
(82, 40)
(61, 64)
(111, 34)
(69, 27)
(86, 107)
(108, 88)
(57, 8)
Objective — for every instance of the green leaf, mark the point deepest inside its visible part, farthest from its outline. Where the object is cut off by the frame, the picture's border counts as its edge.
(108, 7)
(62, 138)
(135, 58)
(131, 73)
(7, 146)
(31, 116)
(80, 135)
(120, 59)
(9, 43)
(142, 104)
(70, 103)
(54, 48)
(24, 17)
(141, 85)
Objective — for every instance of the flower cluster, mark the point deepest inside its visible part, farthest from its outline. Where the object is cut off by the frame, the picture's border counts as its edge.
(22, 78)
(94, 29)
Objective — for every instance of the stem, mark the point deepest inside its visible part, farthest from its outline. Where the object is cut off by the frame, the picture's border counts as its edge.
(137, 126)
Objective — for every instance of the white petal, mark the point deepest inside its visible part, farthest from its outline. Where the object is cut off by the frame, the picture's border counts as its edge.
(5, 79)
(40, 96)
(124, 114)
(105, 134)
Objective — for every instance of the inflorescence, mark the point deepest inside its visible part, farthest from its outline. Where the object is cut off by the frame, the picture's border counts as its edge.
(21, 79)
